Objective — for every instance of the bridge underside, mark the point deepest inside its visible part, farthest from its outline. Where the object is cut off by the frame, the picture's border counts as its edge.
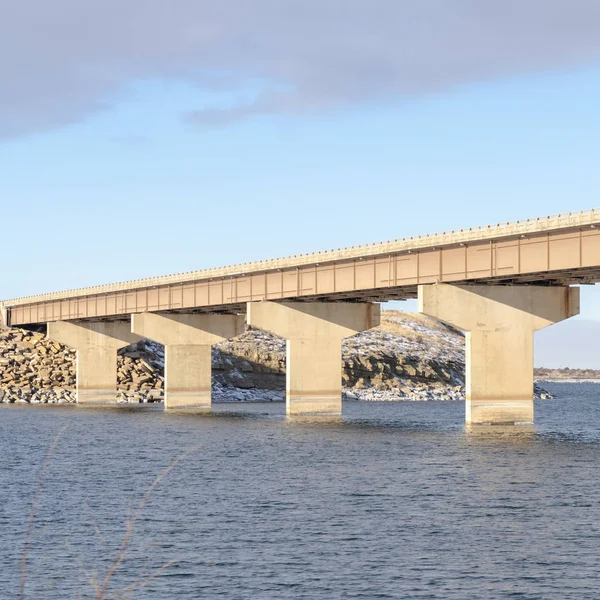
(499, 322)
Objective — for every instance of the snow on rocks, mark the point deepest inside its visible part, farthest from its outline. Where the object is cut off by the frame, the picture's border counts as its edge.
(408, 357)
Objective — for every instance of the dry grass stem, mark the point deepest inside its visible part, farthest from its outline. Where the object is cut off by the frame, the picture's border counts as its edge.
(101, 590)
(141, 583)
(36, 496)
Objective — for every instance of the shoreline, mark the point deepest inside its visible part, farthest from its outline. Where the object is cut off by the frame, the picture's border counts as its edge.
(567, 380)
(232, 395)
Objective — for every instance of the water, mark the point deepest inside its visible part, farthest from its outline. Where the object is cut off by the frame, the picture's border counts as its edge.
(396, 501)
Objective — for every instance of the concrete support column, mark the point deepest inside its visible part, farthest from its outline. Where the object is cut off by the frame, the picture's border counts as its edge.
(499, 323)
(314, 376)
(96, 345)
(188, 376)
(187, 340)
(3, 315)
(314, 332)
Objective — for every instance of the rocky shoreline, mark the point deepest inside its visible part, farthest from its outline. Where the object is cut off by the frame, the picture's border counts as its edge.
(408, 357)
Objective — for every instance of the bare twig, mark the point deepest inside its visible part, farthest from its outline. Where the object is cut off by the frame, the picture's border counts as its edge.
(96, 527)
(141, 583)
(101, 594)
(36, 496)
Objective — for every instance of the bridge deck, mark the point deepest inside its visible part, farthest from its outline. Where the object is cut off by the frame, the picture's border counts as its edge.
(562, 249)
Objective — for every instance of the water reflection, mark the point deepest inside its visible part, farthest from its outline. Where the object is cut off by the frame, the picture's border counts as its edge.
(315, 420)
(500, 434)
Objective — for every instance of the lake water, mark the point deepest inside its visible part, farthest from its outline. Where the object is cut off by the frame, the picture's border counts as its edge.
(395, 501)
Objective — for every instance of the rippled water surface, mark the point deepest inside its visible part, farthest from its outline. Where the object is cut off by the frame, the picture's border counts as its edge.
(395, 501)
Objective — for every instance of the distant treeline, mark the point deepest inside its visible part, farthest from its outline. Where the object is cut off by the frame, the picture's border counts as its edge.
(566, 373)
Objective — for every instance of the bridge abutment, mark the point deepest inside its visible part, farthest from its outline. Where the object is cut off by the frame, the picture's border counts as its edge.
(188, 340)
(499, 323)
(96, 344)
(314, 332)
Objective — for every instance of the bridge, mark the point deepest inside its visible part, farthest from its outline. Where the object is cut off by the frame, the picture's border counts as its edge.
(499, 283)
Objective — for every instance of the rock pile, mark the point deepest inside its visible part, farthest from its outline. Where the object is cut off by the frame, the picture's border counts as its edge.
(36, 369)
(409, 357)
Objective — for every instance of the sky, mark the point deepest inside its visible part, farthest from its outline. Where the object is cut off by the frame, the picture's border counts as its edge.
(146, 137)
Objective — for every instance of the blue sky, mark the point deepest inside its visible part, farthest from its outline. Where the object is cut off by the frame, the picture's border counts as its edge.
(137, 185)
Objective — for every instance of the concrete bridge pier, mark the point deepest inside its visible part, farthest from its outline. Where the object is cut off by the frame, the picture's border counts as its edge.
(314, 332)
(499, 322)
(96, 344)
(3, 315)
(187, 340)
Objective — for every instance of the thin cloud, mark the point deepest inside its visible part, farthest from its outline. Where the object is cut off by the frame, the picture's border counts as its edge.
(63, 60)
